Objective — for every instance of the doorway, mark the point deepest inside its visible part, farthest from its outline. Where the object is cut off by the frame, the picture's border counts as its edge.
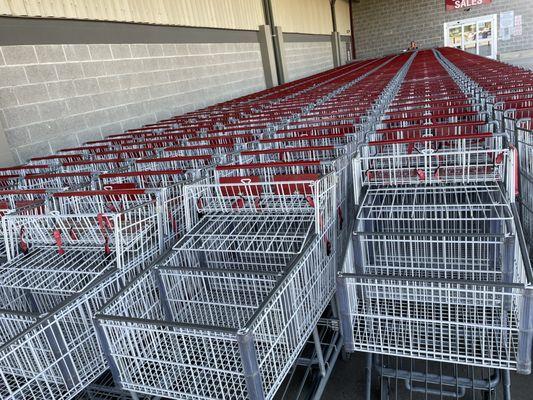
(475, 35)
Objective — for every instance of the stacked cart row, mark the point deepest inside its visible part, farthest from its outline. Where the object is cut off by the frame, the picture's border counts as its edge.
(255, 256)
(506, 92)
(198, 257)
(253, 277)
(437, 270)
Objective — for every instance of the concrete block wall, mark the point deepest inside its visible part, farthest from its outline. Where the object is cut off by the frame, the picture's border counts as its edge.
(307, 58)
(387, 26)
(54, 96)
(345, 50)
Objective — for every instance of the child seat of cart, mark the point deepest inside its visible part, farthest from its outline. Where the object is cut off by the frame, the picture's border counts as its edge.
(285, 184)
(80, 221)
(58, 180)
(149, 179)
(443, 157)
(29, 201)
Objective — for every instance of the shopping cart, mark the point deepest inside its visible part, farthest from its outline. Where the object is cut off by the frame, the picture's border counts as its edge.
(507, 93)
(334, 157)
(169, 186)
(268, 216)
(225, 330)
(27, 201)
(97, 165)
(54, 161)
(49, 348)
(22, 170)
(190, 162)
(297, 195)
(439, 269)
(9, 181)
(86, 150)
(524, 145)
(58, 180)
(85, 229)
(433, 160)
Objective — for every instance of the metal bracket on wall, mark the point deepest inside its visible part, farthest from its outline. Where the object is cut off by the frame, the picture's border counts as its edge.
(278, 54)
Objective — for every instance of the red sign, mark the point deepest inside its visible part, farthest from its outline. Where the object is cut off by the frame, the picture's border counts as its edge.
(458, 4)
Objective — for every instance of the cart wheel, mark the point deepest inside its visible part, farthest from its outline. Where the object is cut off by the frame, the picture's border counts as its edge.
(345, 355)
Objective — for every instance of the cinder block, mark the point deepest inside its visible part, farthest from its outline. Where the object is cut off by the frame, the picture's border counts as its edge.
(53, 109)
(155, 50)
(165, 63)
(41, 73)
(28, 94)
(17, 137)
(158, 91)
(67, 71)
(88, 135)
(93, 69)
(72, 124)
(163, 114)
(158, 78)
(12, 76)
(139, 50)
(119, 113)
(187, 73)
(131, 123)
(21, 116)
(61, 90)
(100, 52)
(7, 98)
(62, 141)
(43, 131)
(120, 51)
(77, 52)
(137, 80)
(126, 81)
(31, 150)
(119, 67)
(50, 53)
(111, 128)
(135, 109)
(14, 55)
(2, 61)
(198, 48)
(169, 49)
(129, 66)
(174, 75)
(103, 100)
(149, 64)
(109, 83)
(182, 50)
(86, 86)
(140, 94)
(79, 105)
(183, 86)
(96, 118)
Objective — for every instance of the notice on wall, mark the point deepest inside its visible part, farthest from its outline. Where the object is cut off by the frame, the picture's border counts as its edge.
(459, 4)
(517, 31)
(506, 25)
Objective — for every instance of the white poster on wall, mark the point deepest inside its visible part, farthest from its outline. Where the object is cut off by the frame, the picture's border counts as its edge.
(507, 19)
(517, 25)
(506, 24)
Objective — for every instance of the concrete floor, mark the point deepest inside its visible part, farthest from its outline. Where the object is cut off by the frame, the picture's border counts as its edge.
(347, 383)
